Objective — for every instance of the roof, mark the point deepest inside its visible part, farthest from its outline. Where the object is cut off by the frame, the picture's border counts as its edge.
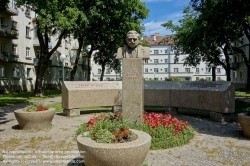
(158, 40)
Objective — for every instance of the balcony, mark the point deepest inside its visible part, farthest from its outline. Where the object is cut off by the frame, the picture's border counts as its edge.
(4, 56)
(84, 67)
(234, 65)
(35, 61)
(14, 58)
(9, 57)
(7, 32)
(12, 10)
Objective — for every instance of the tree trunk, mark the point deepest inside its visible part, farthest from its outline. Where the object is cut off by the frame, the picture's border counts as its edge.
(103, 70)
(44, 58)
(41, 68)
(89, 64)
(248, 80)
(73, 71)
(213, 74)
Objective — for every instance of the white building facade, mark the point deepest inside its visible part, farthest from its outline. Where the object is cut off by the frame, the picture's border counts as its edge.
(20, 53)
(163, 64)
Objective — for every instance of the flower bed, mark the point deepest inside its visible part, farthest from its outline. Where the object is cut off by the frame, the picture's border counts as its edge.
(165, 131)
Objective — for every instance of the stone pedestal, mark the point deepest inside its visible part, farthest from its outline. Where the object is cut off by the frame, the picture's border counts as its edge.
(71, 112)
(132, 89)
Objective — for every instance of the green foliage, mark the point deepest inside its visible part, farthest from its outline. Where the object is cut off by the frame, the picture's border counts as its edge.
(144, 43)
(163, 138)
(104, 128)
(32, 107)
(4, 5)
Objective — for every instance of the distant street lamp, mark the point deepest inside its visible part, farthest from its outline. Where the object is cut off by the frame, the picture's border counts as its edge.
(62, 58)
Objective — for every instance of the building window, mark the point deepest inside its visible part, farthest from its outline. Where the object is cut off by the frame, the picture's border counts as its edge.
(241, 74)
(166, 60)
(218, 78)
(27, 52)
(28, 72)
(14, 49)
(1, 71)
(176, 60)
(38, 53)
(235, 75)
(208, 70)
(16, 72)
(197, 78)
(1, 46)
(208, 78)
(14, 25)
(166, 51)
(156, 51)
(156, 70)
(108, 71)
(28, 32)
(146, 61)
(99, 71)
(166, 70)
(218, 70)
(146, 70)
(156, 61)
(197, 70)
(176, 70)
(187, 70)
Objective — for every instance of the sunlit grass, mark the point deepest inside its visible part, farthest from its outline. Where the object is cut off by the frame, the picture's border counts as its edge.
(15, 98)
(241, 93)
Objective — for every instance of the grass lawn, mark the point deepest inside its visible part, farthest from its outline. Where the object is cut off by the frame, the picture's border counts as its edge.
(241, 93)
(14, 98)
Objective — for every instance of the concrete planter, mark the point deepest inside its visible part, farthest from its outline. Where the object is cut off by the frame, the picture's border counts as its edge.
(34, 120)
(244, 121)
(120, 154)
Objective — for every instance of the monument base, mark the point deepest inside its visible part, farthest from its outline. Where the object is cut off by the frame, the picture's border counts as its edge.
(71, 112)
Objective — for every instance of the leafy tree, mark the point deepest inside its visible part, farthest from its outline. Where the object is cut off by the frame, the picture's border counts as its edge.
(229, 20)
(54, 18)
(113, 19)
(4, 5)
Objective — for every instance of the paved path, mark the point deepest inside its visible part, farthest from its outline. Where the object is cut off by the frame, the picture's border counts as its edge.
(214, 143)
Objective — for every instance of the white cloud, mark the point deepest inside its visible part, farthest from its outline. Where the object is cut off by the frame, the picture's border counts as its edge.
(153, 26)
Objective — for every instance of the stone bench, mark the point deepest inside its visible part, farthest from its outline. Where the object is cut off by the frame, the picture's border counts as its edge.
(77, 94)
(217, 97)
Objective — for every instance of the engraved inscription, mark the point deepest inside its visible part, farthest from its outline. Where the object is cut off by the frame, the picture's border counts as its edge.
(132, 77)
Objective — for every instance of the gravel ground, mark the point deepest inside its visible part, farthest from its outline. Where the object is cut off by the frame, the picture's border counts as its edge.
(214, 143)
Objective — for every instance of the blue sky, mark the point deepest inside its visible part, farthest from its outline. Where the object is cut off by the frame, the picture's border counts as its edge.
(160, 12)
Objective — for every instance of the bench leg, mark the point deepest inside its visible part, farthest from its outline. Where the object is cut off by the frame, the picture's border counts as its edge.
(71, 112)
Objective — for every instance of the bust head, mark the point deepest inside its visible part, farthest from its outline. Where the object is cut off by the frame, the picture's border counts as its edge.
(133, 39)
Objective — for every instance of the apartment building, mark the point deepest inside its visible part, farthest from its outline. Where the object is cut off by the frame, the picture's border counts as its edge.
(163, 64)
(238, 66)
(20, 52)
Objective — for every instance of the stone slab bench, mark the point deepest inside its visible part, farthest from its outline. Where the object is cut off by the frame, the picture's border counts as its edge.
(217, 97)
(77, 94)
